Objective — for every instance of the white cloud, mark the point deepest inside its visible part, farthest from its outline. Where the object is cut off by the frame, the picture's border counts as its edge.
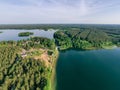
(55, 11)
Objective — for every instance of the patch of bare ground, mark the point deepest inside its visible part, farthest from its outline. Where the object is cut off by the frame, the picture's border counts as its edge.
(47, 59)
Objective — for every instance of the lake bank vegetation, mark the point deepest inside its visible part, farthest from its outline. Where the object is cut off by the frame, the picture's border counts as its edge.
(27, 64)
(84, 39)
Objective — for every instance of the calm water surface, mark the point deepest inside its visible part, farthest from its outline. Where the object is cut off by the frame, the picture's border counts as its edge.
(89, 70)
(80, 70)
(13, 34)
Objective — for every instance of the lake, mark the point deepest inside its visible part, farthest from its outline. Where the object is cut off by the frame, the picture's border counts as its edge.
(13, 34)
(80, 70)
(88, 70)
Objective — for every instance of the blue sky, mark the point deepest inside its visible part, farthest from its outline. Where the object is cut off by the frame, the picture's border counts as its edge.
(59, 11)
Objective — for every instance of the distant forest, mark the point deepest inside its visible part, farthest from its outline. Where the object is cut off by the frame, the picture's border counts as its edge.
(61, 26)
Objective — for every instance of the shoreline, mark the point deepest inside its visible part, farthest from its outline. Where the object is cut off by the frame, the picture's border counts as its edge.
(53, 76)
(92, 48)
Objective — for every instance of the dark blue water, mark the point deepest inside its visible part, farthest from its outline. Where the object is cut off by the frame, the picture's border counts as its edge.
(13, 34)
(89, 70)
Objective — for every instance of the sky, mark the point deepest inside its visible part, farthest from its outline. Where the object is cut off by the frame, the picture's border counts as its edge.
(59, 11)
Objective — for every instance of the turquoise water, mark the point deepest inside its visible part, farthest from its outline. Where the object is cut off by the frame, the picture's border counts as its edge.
(88, 70)
(13, 34)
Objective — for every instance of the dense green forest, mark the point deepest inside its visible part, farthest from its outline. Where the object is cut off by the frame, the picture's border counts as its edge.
(20, 66)
(22, 34)
(105, 27)
(83, 39)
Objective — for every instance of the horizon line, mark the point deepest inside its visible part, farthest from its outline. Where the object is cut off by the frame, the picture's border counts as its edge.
(60, 24)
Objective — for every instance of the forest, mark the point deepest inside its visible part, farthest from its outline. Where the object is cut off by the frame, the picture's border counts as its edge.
(104, 27)
(23, 34)
(85, 39)
(20, 66)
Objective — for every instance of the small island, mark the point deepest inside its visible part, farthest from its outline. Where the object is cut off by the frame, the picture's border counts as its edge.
(25, 34)
(1, 32)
